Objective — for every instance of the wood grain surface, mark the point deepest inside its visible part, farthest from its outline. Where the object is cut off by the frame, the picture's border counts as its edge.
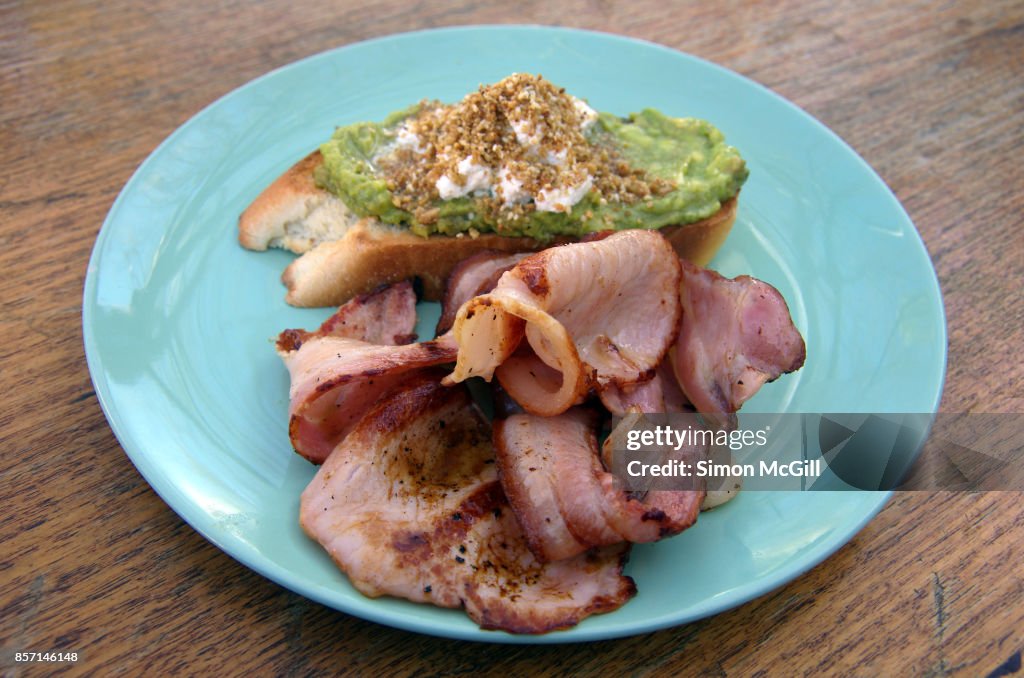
(930, 94)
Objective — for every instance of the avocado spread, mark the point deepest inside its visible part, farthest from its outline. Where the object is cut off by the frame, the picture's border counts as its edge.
(523, 158)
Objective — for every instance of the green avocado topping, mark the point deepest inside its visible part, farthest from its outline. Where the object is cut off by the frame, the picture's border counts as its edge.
(647, 170)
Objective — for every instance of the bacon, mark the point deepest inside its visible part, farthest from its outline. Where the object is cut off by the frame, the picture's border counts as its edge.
(474, 275)
(592, 313)
(334, 381)
(734, 337)
(527, 467)
(385, 316)
(522, 525)
(409, 505)
(659, 394)
(565, 500)
(356, 356)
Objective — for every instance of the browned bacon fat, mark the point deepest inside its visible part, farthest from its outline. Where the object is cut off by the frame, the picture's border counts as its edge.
(409, 505)
(592, 313)
(734, 337)
(564, 498)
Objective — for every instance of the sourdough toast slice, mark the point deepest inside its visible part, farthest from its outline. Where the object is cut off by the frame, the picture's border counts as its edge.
(344, 255)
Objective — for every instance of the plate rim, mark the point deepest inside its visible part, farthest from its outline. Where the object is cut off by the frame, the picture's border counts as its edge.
(241, 552)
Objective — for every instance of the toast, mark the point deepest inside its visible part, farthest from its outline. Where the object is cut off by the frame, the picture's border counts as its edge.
(344, 255)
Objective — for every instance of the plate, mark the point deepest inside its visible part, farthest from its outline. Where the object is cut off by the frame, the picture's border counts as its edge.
(178, 320)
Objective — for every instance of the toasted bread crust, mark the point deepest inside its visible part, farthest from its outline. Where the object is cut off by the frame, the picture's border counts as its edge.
(698, 242)
(371, 254)
(294, 213)
(343, 256)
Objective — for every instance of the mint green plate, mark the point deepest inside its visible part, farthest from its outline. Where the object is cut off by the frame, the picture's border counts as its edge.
(178, 319)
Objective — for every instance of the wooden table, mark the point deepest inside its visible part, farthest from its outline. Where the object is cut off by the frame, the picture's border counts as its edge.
(931, 95)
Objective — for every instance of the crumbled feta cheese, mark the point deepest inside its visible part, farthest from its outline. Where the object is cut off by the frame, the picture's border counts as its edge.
(556, 158)
(478, 178)
(588, 114)
(406, 138)
(512, 192)
(527, 139)
(447, 188)
(562, 198)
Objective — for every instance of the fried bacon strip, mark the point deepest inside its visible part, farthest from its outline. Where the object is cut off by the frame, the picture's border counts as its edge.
(734, 337)
(385, 316)
(336, 380)
(592, 313)
(564, 498)
(473, 276)
(354, 358)
(409, 505)
(659, 394)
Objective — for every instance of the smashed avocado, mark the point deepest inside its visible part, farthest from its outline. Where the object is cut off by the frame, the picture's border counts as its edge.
(699, 169)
